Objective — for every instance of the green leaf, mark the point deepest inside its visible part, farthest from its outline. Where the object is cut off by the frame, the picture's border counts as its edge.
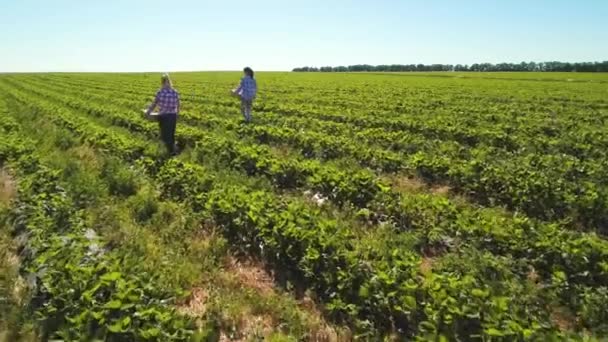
(127, 306)
(479, 293)
(88, 295)
(427, 326)
(112, 276)
(494, 332)
(149, 333)
(502, 303)
(126, 321)
(114, 304)
(97, 315)
(116, 327)
(409, 302)
(363, 292)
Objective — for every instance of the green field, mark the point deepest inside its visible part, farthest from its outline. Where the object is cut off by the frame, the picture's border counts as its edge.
(370, 206)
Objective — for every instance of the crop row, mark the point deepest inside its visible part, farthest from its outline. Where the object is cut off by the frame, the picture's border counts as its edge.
(549, 187)
(358, 188)
(346, 275)
(80, 287)
(514, 131)
(287, 234)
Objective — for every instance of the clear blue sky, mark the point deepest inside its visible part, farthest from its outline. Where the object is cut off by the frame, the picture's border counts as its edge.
(171, 35)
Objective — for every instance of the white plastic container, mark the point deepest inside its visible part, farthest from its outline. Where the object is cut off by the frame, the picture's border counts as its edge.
(152, 117)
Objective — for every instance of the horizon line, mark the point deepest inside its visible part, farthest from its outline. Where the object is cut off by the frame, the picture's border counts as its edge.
(128, 72)
(281, 70)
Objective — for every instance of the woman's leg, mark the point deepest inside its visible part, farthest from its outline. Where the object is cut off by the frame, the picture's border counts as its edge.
(167, 131)
(244, 108)
(162, 125)
(249, 108)
(172, 124)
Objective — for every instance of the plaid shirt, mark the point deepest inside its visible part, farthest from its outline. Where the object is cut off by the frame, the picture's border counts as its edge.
(247, 89)
(167, 99)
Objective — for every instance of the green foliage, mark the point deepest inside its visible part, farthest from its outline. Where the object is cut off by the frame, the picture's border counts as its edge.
(81, 289)
(85, 187)
(593, 304)
(144, 206)
(487, 67)
(121, 181)
(493, 275)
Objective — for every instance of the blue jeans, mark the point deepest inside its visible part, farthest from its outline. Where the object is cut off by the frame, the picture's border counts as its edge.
(167, 123)
(246, 108)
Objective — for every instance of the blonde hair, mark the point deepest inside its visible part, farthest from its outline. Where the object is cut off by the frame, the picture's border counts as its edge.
(166, 80)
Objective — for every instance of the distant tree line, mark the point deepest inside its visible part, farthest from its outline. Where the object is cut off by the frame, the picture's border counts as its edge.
(487, 67)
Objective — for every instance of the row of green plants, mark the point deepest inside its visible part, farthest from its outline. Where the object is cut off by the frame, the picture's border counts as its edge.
(112, 189)
(358, 280)
(514, 135)
(549, 187)
(80, 287)
(356, 187)
(496, 123)
(360, 189)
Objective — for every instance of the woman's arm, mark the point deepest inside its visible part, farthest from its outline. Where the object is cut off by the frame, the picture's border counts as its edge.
(153, 105)
(239, 88)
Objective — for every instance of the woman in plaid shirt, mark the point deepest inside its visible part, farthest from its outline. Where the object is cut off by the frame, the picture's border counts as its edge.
(167, 99)
(246, 90)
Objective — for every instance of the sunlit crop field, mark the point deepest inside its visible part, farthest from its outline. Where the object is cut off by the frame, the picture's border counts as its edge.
(469, 206)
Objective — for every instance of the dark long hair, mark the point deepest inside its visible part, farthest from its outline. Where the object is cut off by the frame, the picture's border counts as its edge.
(248, 71)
